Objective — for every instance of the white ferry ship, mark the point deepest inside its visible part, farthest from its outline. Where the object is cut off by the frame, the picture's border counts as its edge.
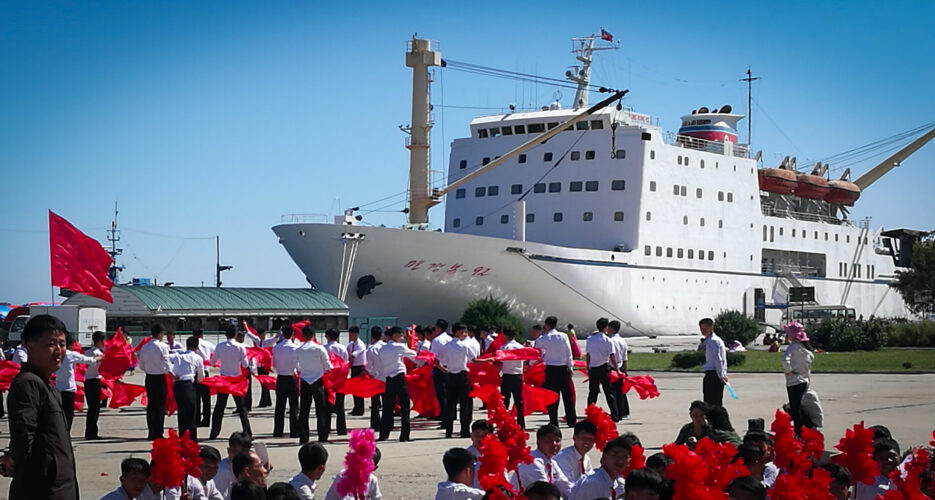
(603, 216)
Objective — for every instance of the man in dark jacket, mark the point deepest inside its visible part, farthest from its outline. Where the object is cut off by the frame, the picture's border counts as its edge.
(40, 459)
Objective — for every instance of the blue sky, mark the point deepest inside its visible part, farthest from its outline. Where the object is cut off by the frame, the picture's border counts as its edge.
(216, 118)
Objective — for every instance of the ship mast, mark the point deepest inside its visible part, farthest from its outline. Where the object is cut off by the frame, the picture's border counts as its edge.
(114, 272)
(419, 56)
(749, 79)
(583, 48)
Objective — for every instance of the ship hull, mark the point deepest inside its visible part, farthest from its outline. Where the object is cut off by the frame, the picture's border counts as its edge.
(426, 275)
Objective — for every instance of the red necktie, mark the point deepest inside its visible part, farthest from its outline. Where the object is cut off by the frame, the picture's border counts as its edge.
(581, 462)
(548, 469)
(613, 493)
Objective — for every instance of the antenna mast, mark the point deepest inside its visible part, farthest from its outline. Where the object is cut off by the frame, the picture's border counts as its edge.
(217, 240)
(583, 48)
(114, 271)
(749, 79)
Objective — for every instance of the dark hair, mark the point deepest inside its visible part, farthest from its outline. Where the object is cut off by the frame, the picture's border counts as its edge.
(537, 326)
(658, 461)
(479, 425)
(97, 336)
(308, 332)
(586, 427)
(442, 325)
(718, 418)
(247, 490)
(614, 325)
(242, 439)
(618, 443)
(550, 322)
(376, 332)
(541, 490)
(353, 329)
(393, 330)
(332, 334)
(69, 340)
(198, 332)
(885, 444)
(697, 404)
(377, 455)
(156, 329)
(881, 431)
(456, 460)
(191, 343)
(240, 462)
(602, 323)
(643, 479)
(130, 465)
(631, 438)
(286, 331)
(312, 455)
(209, 453)
(706, 322)
(838, 472)
(750, 452)
(508, 332)
(281, 491)
(37, 325)
(748, 484)
(229, 331)
(458, 327)
(548, 430)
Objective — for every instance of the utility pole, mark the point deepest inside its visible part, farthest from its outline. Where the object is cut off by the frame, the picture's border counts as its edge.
(218, 261)
(749, 79)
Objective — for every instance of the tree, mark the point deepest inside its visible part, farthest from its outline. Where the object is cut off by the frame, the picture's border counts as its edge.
(734, 325)
(917, 285)
(491, 312)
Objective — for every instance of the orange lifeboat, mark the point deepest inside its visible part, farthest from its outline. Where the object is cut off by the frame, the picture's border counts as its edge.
(813, 187)
(777, 180)
(841, 192)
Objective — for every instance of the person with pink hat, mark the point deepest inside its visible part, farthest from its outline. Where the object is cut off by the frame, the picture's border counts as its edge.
(797, 363)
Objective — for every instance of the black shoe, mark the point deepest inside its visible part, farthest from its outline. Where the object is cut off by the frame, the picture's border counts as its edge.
(405, 439)
(465, 434)
(447, 435)
(93, 438)
(213, 436)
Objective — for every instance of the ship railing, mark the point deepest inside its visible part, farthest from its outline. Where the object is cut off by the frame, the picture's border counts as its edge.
(434, 45)
(303, 219)
(783, 268)
(717, 147)
(770, 210)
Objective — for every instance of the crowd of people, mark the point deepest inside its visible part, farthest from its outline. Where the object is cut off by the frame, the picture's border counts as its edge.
(41, 462)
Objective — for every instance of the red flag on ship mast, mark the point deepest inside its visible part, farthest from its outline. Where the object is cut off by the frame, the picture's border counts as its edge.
(79, 263)
(605, 35)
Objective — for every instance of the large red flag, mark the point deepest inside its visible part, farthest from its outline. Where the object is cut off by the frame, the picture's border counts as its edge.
(79, 263)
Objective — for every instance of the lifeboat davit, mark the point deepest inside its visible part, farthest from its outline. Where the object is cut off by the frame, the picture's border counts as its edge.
(841, 192)
(813, 187)
(777, 180)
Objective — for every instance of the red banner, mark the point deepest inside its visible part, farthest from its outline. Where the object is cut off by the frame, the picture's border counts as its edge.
(79, 263)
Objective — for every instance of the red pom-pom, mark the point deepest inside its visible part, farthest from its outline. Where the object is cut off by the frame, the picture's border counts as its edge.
(168, 470)
(856, 449)
(606, 427)
(637, 459)
(358, 464)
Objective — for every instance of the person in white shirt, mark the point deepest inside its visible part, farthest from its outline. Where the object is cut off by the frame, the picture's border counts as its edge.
(237, 443)
(715, 365)
(644, 484)
(210, 459)
(620, 357)
(206, 351)
(187, 369)
(393, 371)
(797, 363)
(313, 458)
(65, 377)
(453, 359)
(355, 352)
(313, 363)
(232, 356)
(886, 455)
(605, 481)
(600, 358)
(92, 387)
(556, 354)
(459, 465)
(154, 361)
(373, 367)
(543, 466)
(285, 363)
(479, 430)
(174, 345)
(487, 336)
(134, 476)
(574, 460)
(472, 343)
(373, 485)
(439, 338)
(335, 347)
(511, 377)
(153, 491)
(19, 354)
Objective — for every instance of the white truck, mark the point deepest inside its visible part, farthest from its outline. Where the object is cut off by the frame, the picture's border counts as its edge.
(81, 321)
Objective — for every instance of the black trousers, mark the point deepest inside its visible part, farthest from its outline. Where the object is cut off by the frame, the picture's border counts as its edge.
(376, 412)
(68, 406)
(217, 418)
(712, 388)
(92, 398)
(338, 410)
(204, 414)
(314, 392)
(512, 385)
(358, 401)
(156, 405)
(441, 392)
(457, 389)
(396, 390)
(599, 378)
(248, 397)
(187, 404)
(795, 393)
(623, 404)
(558, 380)
(265, 399)
(287, 391)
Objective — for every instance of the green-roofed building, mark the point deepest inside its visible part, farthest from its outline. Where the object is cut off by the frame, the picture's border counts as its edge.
(182, 308)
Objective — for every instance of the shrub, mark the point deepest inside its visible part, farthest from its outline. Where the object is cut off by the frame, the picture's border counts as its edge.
(686, 360)
(492, 312)
(848, 335)
(914, 334)
(734, 325)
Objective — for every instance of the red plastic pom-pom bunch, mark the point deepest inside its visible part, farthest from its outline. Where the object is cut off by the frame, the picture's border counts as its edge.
(910, 486)
(856, 449)
(358, 464)
(704, 473)
(637, 459)
(173, 458)
(606, 427)
(503, 451)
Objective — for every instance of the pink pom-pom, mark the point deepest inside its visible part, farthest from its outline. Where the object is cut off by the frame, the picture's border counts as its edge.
(358, 464)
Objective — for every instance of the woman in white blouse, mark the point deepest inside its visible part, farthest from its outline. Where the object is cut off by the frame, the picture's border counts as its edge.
(797, 363)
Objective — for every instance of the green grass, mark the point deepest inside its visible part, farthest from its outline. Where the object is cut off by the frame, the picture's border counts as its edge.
(884, 360)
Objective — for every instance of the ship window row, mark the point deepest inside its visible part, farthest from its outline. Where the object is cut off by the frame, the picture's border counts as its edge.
(679, 253)
(531, 218)
(868, 271)
(542, 187)
(619, 154)
(536, 128)
(769, 234)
